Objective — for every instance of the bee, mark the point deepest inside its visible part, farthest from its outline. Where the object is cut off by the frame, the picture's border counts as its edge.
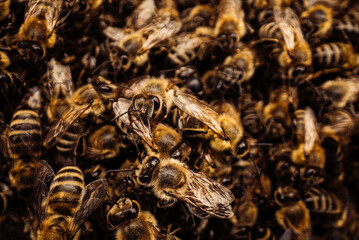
(230, 26)
(153, 98)
(142, 15)
(65, 206)
(335, 56)
(38, 30)
(200, 15)
(90, 102)
(340, 93)
(132, 223)
(4, 9)
(246, 214)
(171, 179)
(186, 48)
(238, 68)
(277, 113)
(296, 56)
(251, 113)
(24, 141)
(82, 6)
(103, 144)
(189, 75)
(60, 88)
(293, 215)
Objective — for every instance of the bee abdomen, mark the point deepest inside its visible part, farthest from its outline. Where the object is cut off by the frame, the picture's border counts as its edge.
(348, 26)
(320, 201)
(328, 55)
(270, 30)
(65, 190)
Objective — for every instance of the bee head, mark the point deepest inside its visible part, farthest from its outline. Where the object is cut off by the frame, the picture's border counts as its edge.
(123, 210)
(32, 50)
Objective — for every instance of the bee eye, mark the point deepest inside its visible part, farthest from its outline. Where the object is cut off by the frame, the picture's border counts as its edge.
(105, 88)
(82, 5)
(311, 172)
(298, 71)
(242, 147)
(195, 85)
(156, 103)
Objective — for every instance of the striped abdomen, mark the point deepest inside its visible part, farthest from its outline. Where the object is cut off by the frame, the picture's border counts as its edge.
(65, 191)
(348, 26)
(67, 145)
(330, 55)
(270, 30)
(25, 136)
(320, 201)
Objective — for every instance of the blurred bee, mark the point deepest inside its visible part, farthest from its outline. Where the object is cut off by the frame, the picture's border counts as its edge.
(82, 6)
(103, 144)
(198, 16)
(142, 15)
(277, 113)
(59, 88)
(189, 75)
(38, 30)
(309, 154)
(65, 206)
(251, 113)
(334, 57)
(24, 141)
(246, 213)
(293, 215)
(340, 93)
(4, 9)
(251, 7)
(171, 179)
(90, 102)
(186, 48)
(287, 170)
(153, 98)
(230, 25)
(296, 56)
(130, 222)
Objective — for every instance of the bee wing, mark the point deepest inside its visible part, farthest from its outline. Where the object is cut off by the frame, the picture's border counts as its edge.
(51, 15)
(289, 25)
(199, 110)
(114, 33)
(310, 130)
(135, 124)
(44, 175)
(159, 31)
(155, 232)
(68, 117)
(91, 197)
(207, 195)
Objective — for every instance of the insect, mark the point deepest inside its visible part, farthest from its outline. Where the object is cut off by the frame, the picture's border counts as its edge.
(24, 141)
(142, 15)
(200, 15)
(5, 9)
(67, 203)
(153, 98)
(38, 30)
(171, 179)
(230, 26)
(293, 216)
(131, 222)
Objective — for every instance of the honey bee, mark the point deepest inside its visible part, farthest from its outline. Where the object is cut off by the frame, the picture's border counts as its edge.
(154, 97)
(297, 55)
(171, 179)
(340, 93)
(38, 30)
(142, 15)
(24, 141)
(65, 206)
(200, 15)
(252, 115)
(88, 101)
(132, 223)
(335, 56)
(82, 6)
(230, 26)
(277, 113)
(293, 216)
(309, 152)
(189, 75)
(103, 144)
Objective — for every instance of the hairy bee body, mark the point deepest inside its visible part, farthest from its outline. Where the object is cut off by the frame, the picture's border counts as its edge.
(270, 30)
(4, 9)
(25, 136)
(319, 200)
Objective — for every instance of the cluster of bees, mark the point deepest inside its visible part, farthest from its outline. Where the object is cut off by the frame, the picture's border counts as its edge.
(176, 119)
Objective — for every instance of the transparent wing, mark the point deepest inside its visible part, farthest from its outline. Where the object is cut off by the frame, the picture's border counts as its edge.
(114, 33)
(310, 130)
(43, 177)
(91, 197)
(133, 123)
(199, 110)
(59, 128)
(207, 195)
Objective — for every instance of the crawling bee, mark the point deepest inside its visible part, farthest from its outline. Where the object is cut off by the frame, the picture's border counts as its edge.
(65, 206)
(200, 15)
(38, 32)
(171, 179)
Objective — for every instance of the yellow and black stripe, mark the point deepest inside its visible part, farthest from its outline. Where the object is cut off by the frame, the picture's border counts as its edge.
(65, 191)
(330, 55)
(320, 201)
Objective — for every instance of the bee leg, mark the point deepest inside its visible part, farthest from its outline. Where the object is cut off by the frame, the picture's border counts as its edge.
(137, 148)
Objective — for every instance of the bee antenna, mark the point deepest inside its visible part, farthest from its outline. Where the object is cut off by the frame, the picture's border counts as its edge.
(255, 164)
(99, 66)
